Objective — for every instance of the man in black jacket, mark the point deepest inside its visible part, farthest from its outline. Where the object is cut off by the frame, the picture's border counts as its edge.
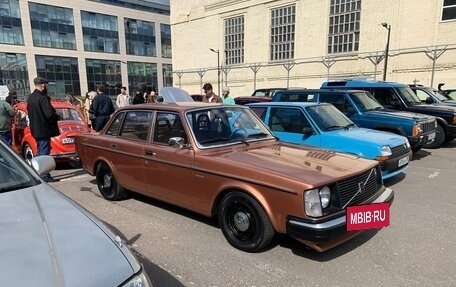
(43, 119)
(102, 108)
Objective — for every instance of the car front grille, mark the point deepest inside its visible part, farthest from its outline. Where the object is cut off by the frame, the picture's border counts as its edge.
(358, 188)
(399, 150)
(428, 126)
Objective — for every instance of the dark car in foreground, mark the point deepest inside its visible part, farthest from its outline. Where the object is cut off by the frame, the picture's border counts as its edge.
(360, 107)
(47, 239)
(222, 161)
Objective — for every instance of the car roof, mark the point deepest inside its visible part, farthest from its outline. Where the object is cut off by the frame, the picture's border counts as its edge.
(181, 106)
(295, 104)
(56, 103)
(331, 90)
(362, 83)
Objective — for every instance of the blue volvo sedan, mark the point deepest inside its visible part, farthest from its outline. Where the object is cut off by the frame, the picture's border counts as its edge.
(323, 125)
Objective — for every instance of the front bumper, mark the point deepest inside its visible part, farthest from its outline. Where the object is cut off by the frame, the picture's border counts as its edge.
(327, 233)
(394, 166)
(416, 142)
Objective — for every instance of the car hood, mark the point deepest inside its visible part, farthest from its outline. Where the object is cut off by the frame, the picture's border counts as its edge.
(365, 142)
(48, 240)
(398, 114)
(282, 164)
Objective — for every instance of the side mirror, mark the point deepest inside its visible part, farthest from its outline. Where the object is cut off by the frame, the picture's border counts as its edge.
(307, 131)
(429, 100)
(177, 142)
(43, 164)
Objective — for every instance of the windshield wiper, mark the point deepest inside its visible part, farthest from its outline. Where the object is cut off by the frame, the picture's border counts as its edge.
(261, 134)
(350, 126)
(214, 140)
(17, 186)
(330, 128)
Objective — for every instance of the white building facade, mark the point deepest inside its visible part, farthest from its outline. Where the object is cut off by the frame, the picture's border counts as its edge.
(302, 43)
(78, 45)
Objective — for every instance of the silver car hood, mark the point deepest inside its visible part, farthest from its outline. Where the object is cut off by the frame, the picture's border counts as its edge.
(48, 240)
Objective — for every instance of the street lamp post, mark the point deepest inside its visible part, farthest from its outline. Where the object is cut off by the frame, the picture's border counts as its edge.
(218, 68)
(388, 27)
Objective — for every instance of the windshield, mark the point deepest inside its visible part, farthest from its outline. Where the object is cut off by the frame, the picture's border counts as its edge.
(442, 97)
(365, 101)
(409, 96)
(226, 125)
(67, 114)
(328, 117)
(13, 175)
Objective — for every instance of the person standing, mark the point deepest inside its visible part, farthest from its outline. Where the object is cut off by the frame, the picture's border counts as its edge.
(226, 96)
(43, 120)
(123, 99)
(11, 98)
(102, 108)
(6, 115)
(210, 97)
(138, 98)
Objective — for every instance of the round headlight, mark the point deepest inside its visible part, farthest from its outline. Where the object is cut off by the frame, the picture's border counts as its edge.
(325, 196)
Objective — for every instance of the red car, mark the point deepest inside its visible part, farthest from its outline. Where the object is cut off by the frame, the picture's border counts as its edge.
(71, 123)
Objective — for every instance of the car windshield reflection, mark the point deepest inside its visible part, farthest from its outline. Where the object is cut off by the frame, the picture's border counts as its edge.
(224, 125)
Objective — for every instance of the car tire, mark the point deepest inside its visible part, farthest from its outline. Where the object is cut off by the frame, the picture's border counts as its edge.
(244, 223)
(108, 186)
(439, 138)
(416, 149)
(27, 153)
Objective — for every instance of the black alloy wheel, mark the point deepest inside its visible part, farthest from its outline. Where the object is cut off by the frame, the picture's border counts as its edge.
(107, 184)
(244, 223)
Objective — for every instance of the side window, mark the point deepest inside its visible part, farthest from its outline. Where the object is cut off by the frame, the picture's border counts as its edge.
(168, 125)
(136, 125)
(287, 120)
(114, 128)
(384, 96)
(421, 94)
(259, 111)
(337, 100)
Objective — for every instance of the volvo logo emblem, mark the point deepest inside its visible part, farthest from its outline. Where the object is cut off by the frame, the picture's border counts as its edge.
(361, 187)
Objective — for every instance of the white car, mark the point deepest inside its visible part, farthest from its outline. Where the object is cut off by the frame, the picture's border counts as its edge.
(47, 239)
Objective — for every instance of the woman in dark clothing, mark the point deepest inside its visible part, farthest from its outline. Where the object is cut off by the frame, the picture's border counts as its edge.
(138, 98)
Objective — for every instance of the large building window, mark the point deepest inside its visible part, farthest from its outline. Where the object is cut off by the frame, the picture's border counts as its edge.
(106, 73)
(234, 40)
(13, 73)
(344, 22)
(283, 33)
(61, 72)
(449, 10)
(140, 37)
(52, 26)
(100, 32)
(10, 23)
(165, 31)
(167, 75)
(142, 76)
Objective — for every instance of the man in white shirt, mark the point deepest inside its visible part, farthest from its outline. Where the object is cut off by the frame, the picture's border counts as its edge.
(123, 99)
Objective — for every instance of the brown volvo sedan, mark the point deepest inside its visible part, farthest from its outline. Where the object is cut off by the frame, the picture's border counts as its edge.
(221, 160)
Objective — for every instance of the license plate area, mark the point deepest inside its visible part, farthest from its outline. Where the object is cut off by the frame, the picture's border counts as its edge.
(368, 216)
(403, 161)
